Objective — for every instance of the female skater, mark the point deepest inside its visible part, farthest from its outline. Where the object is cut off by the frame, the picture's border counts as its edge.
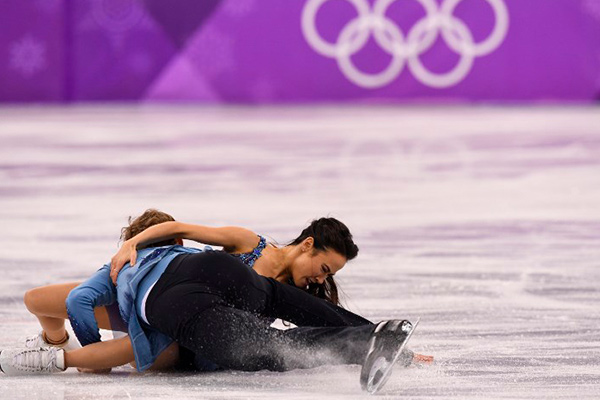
(48, 304)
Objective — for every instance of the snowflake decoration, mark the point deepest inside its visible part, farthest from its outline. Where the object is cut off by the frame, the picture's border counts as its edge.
(28, 56)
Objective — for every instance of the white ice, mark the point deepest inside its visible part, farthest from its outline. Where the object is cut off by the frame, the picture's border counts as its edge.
(483, 221)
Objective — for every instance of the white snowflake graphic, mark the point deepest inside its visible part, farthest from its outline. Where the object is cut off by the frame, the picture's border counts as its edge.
(28, 56)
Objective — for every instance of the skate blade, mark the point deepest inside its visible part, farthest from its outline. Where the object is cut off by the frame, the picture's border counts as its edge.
(376, 373)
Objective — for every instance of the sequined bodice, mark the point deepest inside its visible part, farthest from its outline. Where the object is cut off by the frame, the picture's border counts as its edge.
(250, 258)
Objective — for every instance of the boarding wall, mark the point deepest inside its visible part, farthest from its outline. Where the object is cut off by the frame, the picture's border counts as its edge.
(300, 51)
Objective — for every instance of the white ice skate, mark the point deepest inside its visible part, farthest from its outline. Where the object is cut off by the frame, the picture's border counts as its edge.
(37, 341)
(42, 360)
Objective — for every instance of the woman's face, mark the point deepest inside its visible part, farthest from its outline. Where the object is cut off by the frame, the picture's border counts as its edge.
(314, 266)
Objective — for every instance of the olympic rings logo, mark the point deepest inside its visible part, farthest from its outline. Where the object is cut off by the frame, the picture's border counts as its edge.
(404, 49)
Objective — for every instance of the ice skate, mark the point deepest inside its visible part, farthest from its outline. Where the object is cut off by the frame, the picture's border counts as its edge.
(386, 347)
(42, 360)
(39, 340)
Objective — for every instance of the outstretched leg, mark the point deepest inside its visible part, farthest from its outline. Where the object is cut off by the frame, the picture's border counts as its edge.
(213, 304)
(236, 339)
(236, 285)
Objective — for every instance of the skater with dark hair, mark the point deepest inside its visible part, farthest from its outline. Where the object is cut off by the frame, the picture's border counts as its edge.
(202, 298)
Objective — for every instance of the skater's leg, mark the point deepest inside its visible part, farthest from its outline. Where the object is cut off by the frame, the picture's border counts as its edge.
(345, 345)
(47, 303)
(97, 291)
(242, 288)
(238, 339)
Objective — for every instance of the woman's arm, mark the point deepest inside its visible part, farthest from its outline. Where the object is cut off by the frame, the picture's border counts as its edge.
(101, 356)
(231, 238)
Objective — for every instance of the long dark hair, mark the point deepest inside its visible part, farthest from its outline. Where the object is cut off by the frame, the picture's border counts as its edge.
(328, 234)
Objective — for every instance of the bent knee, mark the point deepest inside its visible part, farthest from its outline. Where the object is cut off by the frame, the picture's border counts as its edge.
(34, 299)
(77, 299)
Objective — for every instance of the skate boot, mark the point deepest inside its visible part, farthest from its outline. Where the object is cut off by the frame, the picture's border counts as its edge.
(43, 360)
(39, 340)
(386, 347)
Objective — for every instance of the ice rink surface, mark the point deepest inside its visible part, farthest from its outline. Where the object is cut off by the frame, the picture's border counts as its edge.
(484, 222)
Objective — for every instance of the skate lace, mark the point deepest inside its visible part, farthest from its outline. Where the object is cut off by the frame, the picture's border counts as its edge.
(34, 341)
(40, 360)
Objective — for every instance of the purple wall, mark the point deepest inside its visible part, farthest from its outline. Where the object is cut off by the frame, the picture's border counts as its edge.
(260, 51)
(32, 50)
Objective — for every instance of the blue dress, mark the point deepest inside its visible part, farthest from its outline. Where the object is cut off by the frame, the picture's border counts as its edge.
(250, 258)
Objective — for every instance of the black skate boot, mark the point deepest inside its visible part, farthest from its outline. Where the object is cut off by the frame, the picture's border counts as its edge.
(386, 347)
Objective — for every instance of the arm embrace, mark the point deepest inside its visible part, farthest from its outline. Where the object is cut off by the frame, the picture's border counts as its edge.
(231, 238)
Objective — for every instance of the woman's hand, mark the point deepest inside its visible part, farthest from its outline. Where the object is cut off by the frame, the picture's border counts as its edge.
(126, 254)
(422, 359)
(94, 371)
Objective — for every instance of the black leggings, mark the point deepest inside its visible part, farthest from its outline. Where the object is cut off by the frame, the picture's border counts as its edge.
(214, 305)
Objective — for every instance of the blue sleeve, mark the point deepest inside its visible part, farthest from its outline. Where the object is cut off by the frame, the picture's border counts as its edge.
(97, 291)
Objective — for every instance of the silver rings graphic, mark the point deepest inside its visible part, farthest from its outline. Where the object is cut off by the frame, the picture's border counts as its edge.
(405, 49)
